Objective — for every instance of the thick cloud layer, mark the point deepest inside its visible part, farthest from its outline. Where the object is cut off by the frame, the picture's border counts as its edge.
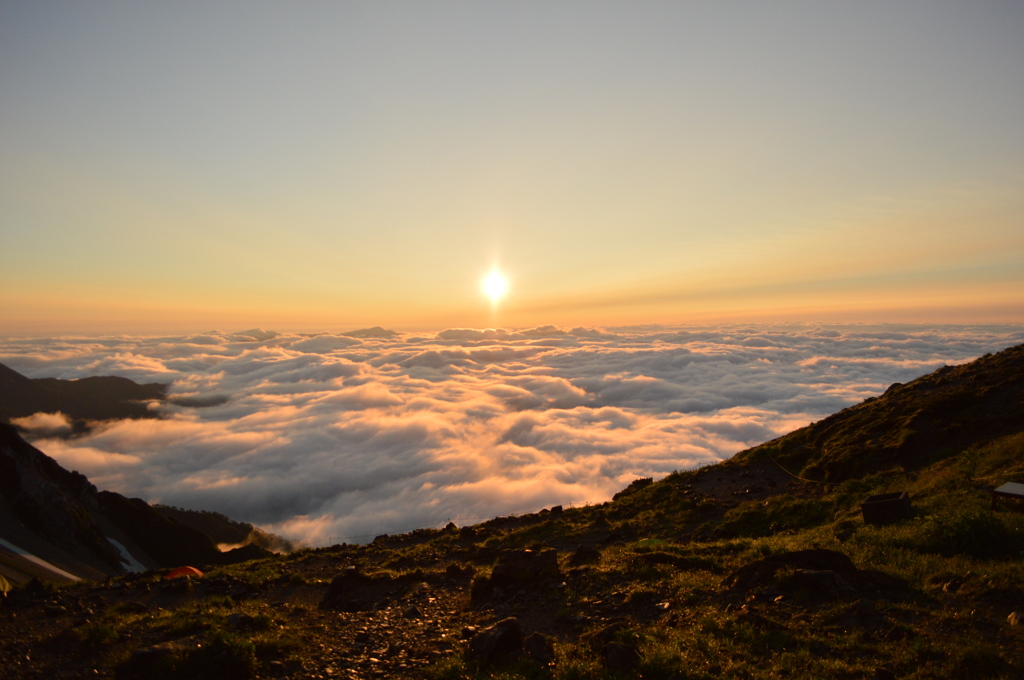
(334, 437)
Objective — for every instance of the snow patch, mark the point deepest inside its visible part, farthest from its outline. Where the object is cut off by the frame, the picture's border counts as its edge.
(132, 565)
(37, 560)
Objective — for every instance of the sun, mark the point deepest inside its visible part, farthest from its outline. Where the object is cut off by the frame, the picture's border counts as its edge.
(494, 286)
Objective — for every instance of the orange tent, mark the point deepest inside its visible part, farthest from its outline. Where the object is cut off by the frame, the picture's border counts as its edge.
(187, 572)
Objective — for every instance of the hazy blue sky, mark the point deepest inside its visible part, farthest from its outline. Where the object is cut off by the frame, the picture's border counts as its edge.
(187, 165)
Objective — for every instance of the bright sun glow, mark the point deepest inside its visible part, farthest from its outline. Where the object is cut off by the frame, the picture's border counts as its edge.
(495, 285)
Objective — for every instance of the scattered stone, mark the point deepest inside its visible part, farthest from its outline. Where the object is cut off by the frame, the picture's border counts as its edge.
(496, 643)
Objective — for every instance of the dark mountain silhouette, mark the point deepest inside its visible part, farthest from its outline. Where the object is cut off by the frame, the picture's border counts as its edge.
(224, 530)
(93, 398)
(62, 518)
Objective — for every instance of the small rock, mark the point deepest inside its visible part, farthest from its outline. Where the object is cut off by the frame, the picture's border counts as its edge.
(492, 645)
(412, 613)
(538, 649)
(953, 585)
(1015, 618)
(469, 631)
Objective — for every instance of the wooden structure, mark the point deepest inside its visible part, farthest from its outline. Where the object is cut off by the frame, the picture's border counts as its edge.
(1008, 490)
(886, 508)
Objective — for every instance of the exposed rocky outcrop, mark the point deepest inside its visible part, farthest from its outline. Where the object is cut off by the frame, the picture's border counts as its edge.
(518, 570)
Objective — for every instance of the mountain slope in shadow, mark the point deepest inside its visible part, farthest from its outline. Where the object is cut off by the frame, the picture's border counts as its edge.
(62, 518)
(909, 426)
(93, 398)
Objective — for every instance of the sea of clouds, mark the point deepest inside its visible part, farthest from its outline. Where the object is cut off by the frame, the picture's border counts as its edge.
(331, 437)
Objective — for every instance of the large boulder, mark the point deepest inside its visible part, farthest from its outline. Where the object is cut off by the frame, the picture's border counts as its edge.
(522, 567)
(517, 570)
(497, 643)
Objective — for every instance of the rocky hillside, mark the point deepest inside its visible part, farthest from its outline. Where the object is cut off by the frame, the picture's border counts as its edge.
(60, 517)
(760, 567)
(910, 426)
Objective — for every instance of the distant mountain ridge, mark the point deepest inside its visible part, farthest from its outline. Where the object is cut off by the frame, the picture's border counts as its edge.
(92, 398)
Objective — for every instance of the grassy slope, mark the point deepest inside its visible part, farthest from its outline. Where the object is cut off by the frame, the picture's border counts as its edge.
(664, 548)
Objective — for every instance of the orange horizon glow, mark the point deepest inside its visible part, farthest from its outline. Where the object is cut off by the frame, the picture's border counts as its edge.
(635, 172)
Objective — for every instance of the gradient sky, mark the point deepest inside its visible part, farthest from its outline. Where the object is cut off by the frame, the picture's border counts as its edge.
(181, 166)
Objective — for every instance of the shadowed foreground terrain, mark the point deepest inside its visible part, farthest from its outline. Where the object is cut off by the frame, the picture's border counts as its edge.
(759, 567)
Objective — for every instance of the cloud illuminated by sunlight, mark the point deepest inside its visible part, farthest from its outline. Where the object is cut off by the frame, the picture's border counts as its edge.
(335, 437)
